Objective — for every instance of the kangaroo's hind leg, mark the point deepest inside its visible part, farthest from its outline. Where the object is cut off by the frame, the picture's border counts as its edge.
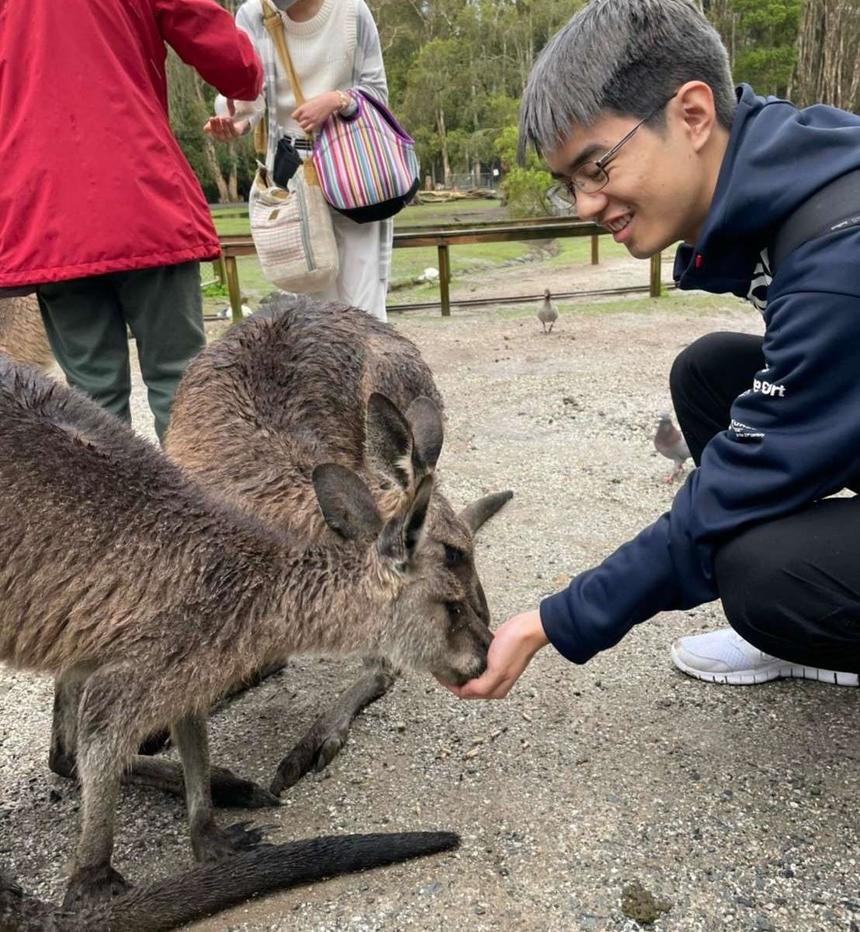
(64, 727)
(105, 730)
(228, 789)
(208, 840)
(328, 734)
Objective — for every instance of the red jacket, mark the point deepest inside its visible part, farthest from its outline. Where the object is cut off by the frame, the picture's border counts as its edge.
(92, 179)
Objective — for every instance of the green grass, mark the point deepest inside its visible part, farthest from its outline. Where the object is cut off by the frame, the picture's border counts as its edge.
(231, 226)
(408, 264)
(577, 250)
(420, 215)
(466, 211)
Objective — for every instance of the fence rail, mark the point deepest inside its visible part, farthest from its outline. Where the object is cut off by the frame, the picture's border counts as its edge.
(443, 238)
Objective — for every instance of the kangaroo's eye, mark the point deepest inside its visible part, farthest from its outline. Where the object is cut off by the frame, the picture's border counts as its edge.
(455, 610)
(454, 556)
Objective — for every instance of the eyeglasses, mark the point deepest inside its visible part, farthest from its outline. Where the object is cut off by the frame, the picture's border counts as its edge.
(592, 176)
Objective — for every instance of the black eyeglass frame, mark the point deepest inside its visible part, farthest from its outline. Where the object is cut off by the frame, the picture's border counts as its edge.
(591, 185)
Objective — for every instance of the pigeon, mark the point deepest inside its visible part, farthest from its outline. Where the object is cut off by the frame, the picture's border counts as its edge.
(669, 441)
(547, 313)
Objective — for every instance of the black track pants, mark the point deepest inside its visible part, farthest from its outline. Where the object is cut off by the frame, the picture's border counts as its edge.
(790, 586)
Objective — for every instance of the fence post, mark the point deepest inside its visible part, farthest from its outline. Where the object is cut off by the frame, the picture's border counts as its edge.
(233, 288)
(656, 274)
(220, 271)
(444, 279)
(595, 249)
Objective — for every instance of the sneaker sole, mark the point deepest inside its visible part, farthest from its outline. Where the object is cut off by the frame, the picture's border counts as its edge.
(774, 671)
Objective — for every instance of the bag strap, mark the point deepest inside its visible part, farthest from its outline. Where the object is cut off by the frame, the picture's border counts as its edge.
(275, 27)
(834, 207)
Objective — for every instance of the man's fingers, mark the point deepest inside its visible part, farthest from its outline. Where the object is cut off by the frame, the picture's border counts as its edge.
(486, 687)
(220, 127)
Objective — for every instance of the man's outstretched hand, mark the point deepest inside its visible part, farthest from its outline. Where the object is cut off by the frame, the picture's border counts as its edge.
(512, 648)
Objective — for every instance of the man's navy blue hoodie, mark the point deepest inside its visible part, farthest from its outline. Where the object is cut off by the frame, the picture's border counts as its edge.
(794, 435)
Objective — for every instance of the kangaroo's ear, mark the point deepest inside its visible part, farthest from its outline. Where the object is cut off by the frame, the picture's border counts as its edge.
(401, 536)
(475, 514)
(425, 419)
(390, 445)
(346, 503)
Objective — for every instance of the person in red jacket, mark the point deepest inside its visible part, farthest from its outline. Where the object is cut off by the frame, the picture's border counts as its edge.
(100, 213)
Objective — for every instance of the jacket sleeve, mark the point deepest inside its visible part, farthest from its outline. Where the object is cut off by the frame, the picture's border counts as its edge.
(256, 109)
(794, 438)
(204, 36)
(369, 70)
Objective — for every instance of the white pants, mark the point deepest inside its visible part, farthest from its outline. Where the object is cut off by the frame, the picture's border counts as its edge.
(362, 279)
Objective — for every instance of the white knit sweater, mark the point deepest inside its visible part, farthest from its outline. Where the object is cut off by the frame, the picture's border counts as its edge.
(336, 49)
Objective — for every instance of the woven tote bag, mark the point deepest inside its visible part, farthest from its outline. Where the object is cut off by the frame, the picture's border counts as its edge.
(292, 232)
(291, 227)
(366, 161)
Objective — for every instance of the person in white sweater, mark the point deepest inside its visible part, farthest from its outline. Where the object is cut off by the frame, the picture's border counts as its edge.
(334, 46)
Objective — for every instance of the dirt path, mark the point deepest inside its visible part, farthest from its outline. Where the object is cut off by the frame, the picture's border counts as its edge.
(735, 805)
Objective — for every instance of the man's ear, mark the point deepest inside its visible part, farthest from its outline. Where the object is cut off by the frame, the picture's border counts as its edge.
(694, 104)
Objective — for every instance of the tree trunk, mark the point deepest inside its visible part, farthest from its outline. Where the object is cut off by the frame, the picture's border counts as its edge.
(443, 138)
(215, 170)
(209, 153)
(233, 180)
(828, 43)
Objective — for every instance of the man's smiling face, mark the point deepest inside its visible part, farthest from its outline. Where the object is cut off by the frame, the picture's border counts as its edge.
(659, 184)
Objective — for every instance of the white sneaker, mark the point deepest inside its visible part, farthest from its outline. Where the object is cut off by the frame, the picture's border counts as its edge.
(725, 657)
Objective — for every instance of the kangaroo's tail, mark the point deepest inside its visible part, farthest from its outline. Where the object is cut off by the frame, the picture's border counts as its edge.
(209, 888)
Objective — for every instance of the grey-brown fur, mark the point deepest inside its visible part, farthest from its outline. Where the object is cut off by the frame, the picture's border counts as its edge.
(149, 599)
(208, 888)
(285, 390)
(22, 333)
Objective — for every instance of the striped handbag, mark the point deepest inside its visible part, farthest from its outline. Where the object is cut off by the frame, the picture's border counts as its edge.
(366, 161)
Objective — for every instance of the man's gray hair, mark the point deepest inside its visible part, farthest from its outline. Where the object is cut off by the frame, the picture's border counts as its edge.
(622, 56)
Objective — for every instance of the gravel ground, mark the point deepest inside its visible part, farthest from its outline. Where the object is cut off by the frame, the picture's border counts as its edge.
(593, 795)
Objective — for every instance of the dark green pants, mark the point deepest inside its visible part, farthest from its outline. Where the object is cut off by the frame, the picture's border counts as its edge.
(86, 321)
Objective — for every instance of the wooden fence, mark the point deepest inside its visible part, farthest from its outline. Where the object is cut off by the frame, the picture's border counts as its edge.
(443, 239)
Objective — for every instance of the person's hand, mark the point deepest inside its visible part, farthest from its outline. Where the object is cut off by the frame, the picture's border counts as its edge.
(224, 129)
(512, 648)
(314, 112)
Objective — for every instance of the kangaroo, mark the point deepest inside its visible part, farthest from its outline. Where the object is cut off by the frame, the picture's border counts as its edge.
(289, 388)
(149, 598)
(22, 333)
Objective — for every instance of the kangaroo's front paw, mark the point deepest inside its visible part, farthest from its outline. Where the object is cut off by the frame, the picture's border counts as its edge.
(315, 751)
(213, 843)
(93, 884)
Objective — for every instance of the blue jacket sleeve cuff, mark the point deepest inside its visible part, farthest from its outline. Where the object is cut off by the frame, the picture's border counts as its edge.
(555, 618)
